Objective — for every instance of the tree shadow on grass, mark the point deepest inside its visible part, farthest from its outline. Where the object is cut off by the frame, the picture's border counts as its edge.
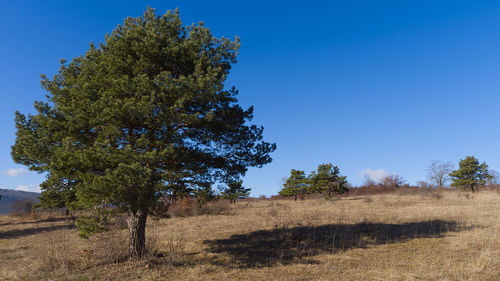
(16, 233)
(286, 245)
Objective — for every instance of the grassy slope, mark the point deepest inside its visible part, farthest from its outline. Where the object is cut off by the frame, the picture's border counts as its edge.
(377, 237)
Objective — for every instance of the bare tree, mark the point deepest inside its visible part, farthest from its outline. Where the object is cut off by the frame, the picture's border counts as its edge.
(393, 181)
(424, 184)
(495, 177)
(439, 172)
(369, 181)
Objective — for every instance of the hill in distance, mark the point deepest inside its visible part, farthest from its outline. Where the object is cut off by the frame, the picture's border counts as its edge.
(10, 196)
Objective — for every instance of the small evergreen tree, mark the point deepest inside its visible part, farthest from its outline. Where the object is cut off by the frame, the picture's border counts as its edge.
(327, 179)
(295, 184)
(470, 174)
(235, 190)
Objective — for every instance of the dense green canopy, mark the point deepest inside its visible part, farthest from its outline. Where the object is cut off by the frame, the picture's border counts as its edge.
(326, 179)
(471, 174)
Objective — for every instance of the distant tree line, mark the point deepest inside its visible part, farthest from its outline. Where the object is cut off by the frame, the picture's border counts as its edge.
(327, 180)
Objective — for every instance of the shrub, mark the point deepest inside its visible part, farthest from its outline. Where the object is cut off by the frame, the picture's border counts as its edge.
(186, 207)
(217, 207)
(371, 190)
(395, 181)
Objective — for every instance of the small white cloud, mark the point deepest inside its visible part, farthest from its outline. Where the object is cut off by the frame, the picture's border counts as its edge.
(16, 172)
(29, 188)
(375, 175)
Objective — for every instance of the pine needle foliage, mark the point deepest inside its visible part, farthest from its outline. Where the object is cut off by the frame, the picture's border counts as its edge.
(470, 174)
(295, 184)
(327, 179)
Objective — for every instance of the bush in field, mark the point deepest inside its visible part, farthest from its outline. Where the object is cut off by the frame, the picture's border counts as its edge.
(216, 207)
(187, 207)
(395, 181)
(183, 207)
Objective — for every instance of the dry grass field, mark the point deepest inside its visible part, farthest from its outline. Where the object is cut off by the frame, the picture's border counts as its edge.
(447, 236)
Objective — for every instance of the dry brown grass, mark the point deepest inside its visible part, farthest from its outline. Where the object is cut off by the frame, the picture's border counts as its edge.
(400, 236)
(186, 207)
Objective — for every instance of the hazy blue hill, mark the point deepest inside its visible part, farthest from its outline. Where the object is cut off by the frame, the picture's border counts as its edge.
(10, 196)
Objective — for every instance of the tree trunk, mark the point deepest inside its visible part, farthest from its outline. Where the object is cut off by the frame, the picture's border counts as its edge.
(137, 234)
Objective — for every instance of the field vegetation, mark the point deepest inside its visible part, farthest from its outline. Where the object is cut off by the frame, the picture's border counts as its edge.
(375, 233)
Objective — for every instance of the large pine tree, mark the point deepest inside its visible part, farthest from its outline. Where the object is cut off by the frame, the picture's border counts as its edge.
(144, 113)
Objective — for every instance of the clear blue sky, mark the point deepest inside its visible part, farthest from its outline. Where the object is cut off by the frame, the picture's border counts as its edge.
(380, 85)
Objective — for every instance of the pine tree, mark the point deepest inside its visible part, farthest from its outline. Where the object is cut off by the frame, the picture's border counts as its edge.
(235, 190)
(327, 179)
(144, 114)
(470, 174)
(203, 195)
(295, 184)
